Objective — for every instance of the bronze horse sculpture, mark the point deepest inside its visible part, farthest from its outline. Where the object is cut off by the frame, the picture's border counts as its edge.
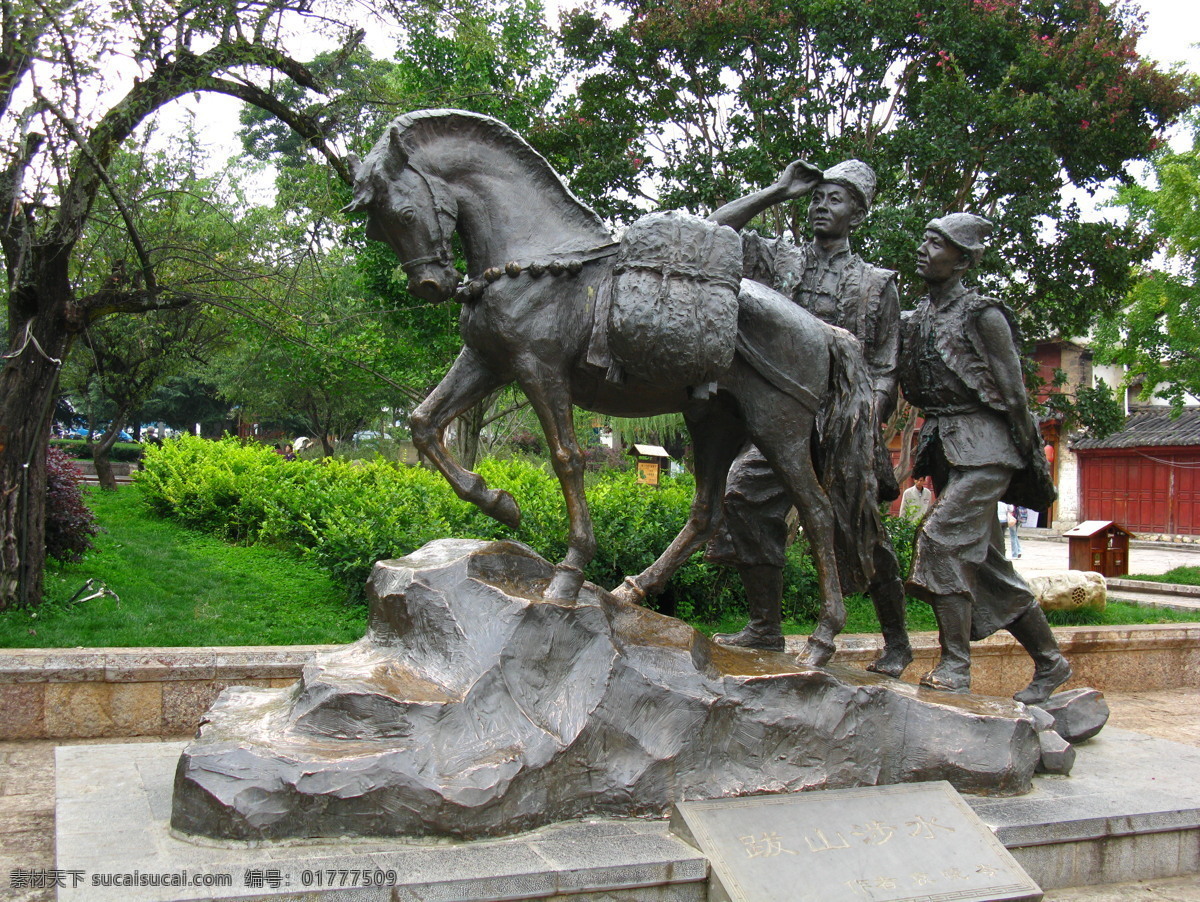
(539, 263)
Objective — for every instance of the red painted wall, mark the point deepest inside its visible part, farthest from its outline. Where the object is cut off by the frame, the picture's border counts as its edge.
(1143, 489)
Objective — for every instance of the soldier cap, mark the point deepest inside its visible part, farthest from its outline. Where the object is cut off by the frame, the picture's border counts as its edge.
(966, 231)
(855, 175)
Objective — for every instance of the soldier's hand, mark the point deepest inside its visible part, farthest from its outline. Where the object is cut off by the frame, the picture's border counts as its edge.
(799, 178)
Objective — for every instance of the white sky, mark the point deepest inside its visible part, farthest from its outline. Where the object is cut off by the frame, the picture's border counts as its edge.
(1171, 37)
(1172, 30)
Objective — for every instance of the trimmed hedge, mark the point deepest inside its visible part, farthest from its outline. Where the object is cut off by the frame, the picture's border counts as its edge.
(345, 515)
(78, 449)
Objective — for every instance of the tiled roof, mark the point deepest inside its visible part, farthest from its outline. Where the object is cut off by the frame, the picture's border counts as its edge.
(1149, 428)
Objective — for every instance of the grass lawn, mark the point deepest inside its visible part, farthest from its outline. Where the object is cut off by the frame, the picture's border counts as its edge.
(1183, 576)
(178, 587)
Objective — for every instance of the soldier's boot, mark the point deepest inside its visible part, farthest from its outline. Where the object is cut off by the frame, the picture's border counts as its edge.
(764, 596)
(953, 670)
(1050, 668)
(888, 598)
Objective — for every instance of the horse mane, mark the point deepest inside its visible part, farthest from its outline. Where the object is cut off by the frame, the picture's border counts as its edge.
(415, 130)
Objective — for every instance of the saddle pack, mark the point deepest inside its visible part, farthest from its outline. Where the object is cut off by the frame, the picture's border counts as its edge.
(674, 309)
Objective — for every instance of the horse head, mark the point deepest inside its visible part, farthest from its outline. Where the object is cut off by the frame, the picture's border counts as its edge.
(412, 211)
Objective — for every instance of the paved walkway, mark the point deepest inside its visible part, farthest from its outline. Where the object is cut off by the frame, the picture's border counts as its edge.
(27, 801)
(1043, 556)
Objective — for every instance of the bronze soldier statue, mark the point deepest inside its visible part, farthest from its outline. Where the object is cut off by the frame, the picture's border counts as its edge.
(980, 444)
(836, 285)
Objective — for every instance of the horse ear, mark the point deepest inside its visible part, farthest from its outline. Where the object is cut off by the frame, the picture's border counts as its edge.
(353, 165)
(395, 161)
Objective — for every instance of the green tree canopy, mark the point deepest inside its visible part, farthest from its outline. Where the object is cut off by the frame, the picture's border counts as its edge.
(1156, 332)
(990, 106)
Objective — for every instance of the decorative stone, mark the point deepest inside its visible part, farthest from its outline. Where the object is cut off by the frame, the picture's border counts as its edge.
(475, 707)
(1058, 755)
(1079, 714)
(492, 273)
(513, 268)
(1070, 590)
(536, 269)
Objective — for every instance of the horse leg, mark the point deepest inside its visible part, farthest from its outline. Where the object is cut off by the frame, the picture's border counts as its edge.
(717, 436)
(550, 398)
(468, 382)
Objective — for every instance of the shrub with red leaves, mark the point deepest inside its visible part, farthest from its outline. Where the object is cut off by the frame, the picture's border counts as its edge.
(70, 525)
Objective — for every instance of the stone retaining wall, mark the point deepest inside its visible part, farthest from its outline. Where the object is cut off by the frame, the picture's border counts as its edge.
(90, 693)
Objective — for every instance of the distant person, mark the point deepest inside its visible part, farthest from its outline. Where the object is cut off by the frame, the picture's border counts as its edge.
(289, 452)
(915, 501)
(1014, 517)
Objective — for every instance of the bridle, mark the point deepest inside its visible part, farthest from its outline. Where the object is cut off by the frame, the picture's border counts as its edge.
(440, 207)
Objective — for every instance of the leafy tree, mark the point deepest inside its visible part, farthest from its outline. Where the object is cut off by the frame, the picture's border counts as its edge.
(321, 369)
(77, 80)
(1156, 333)
(490, 56)
(184, 401)
(1092, 409)
(990, 106)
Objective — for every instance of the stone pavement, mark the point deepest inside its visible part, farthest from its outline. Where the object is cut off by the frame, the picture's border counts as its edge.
(27, 801)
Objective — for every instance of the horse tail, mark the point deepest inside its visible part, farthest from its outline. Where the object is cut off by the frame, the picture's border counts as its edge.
(844, 455)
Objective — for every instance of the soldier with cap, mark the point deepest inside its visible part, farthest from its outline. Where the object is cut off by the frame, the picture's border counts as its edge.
(981, 445)
(837, 286)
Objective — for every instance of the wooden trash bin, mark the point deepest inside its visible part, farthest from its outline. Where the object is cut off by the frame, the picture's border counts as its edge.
(1101, 546)
(652, 461)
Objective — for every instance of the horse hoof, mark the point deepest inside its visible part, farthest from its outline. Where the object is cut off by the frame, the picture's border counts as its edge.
(565, 585)
(816, 653)
(505, 509)
(629, 592)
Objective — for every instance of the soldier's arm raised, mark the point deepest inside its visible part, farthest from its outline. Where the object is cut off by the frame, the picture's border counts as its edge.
(799, 178)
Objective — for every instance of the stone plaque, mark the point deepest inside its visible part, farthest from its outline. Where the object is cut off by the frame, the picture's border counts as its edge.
(916, 841)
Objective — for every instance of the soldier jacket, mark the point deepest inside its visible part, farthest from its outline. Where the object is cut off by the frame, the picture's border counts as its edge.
(840, 289)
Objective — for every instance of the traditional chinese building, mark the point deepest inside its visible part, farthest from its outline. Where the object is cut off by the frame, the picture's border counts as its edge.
(1146, 476)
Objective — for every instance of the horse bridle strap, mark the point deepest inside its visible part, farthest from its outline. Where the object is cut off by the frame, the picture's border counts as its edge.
(443, 243)
(555, 266)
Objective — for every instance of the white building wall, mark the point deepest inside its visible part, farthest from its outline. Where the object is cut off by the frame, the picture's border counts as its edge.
(1066, 513)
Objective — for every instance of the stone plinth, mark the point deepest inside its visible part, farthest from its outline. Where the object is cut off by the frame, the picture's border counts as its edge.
(474, 707)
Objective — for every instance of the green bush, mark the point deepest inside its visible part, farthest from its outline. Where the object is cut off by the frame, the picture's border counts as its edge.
(78, 449)
(345, 515)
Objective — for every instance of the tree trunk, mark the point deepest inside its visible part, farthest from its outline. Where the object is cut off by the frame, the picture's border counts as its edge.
(470, 424)
(904, 424)
(39, 338)
(102, 449)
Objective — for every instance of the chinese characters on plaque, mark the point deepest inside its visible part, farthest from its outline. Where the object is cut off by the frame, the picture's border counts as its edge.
(882, 844)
